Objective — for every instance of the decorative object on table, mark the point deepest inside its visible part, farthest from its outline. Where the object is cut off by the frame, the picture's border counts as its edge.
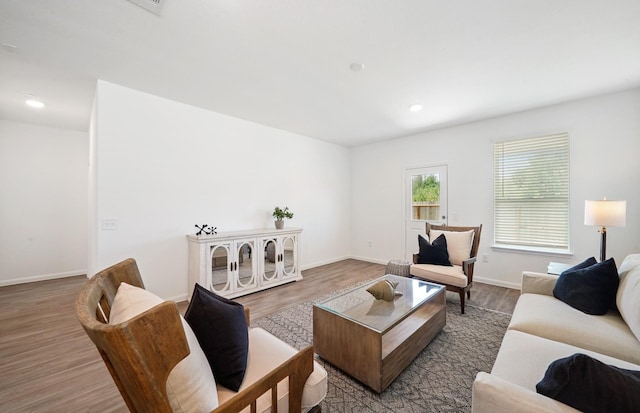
(398, 267)
(604, 213)
(280, 214)
(384, 290)
(206, 230)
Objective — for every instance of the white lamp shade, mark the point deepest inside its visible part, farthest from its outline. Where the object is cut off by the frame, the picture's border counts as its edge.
(605, 213)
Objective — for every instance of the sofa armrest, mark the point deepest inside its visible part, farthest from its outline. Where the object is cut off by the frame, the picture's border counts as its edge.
(538, 283)
(492, 394)
(298, 368)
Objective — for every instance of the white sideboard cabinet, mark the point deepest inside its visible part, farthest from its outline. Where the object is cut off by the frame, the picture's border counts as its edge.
(232, 264)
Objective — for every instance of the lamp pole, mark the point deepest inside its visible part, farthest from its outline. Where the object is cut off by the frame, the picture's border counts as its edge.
(603, 244)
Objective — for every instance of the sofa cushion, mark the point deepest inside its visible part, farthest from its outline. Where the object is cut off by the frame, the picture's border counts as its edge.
(493, 394)
(548, 317)
(591, 289)
(266, 352)
(221, 328)
(440, 274)
(629, 291)
(630, 262)
(458, 244)
(590, 385)
(433, 253)
(190, 385)
(523, 358)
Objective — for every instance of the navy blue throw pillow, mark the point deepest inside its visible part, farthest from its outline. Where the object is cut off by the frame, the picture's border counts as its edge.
(588, 385)
(221, 329)
(433, 253)
(584, 264)
(591, 290)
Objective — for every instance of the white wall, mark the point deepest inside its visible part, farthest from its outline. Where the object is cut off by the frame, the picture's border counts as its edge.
(605, 155)
(162, 166)
(159, 167)
(43, 202)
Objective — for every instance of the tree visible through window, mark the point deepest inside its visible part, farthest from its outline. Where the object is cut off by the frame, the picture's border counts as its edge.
(531, 192)
(425, 196)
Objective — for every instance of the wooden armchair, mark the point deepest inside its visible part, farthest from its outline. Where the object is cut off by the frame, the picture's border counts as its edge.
(141, 352)
(458, 278)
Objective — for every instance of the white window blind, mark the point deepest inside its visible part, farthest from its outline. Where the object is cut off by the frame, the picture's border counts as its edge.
(531, 192)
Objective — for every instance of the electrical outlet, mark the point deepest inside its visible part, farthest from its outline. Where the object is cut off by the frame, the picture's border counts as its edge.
(369, 244)
(108, 224)
(485, 257)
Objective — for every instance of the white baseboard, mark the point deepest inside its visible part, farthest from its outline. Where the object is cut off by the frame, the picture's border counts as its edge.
(178, 298)
(42, 277)
(490, 281)
(347, 257)
(499, 283)
(373, 260)
(320, 263)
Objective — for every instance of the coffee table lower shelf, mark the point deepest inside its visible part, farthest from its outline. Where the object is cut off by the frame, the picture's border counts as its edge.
(372, 357)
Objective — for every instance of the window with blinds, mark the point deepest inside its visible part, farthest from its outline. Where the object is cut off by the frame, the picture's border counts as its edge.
(531, 193)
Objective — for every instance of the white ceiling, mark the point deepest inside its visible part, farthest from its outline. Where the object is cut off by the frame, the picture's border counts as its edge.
(285, 63)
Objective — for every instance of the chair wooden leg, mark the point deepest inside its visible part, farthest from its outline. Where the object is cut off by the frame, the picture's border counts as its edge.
(469, 294)
(461, 301)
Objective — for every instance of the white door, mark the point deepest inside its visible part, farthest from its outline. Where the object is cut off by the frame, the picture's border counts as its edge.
(425, 200)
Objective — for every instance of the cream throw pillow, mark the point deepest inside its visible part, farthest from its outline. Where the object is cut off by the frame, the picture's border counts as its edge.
(190, 386)
(628, 292)
(458, 244)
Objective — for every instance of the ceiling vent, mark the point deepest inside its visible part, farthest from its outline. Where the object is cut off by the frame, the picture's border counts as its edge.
(154, 6)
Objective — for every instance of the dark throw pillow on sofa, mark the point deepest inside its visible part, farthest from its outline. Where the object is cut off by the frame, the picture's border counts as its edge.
(433, 253)
(591, 290)
(584, 264)
(221, 329)
(589, 385)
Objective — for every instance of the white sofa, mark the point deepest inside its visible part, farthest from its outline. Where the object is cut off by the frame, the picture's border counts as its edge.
(544, 329)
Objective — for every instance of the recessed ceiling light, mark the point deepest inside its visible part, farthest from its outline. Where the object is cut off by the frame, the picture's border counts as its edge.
(356, 67)
(11, 48)
(32, 101)
(416, 107)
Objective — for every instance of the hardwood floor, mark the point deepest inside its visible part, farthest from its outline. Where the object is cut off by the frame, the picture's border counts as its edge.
(48, 364)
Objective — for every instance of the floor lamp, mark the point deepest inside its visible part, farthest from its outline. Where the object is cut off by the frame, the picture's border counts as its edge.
(605, 214)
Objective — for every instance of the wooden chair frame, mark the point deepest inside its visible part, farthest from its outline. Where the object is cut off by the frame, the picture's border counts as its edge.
(140, 353)
(467, 265)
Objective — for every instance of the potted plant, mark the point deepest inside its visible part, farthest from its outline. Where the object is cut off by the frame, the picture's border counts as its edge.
(280, 214)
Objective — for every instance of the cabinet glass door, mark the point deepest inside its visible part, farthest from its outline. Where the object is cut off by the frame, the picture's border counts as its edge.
(245, 268)
(219, 256)
(288, 256)
(270, 266)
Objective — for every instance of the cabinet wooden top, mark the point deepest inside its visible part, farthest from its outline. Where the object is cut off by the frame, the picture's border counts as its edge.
(244, 233)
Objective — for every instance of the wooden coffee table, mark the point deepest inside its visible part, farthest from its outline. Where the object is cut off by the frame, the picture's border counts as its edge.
(375, 340)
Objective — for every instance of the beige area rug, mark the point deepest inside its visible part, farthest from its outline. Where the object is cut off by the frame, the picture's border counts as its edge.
(438, 380)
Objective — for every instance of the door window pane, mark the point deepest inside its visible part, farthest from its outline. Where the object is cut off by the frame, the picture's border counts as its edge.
(425, 197)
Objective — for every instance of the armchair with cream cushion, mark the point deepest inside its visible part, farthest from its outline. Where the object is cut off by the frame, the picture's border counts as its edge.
(158, 365)
(462, 247)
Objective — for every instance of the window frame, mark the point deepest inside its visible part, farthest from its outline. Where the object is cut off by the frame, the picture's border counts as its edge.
(523, 192)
